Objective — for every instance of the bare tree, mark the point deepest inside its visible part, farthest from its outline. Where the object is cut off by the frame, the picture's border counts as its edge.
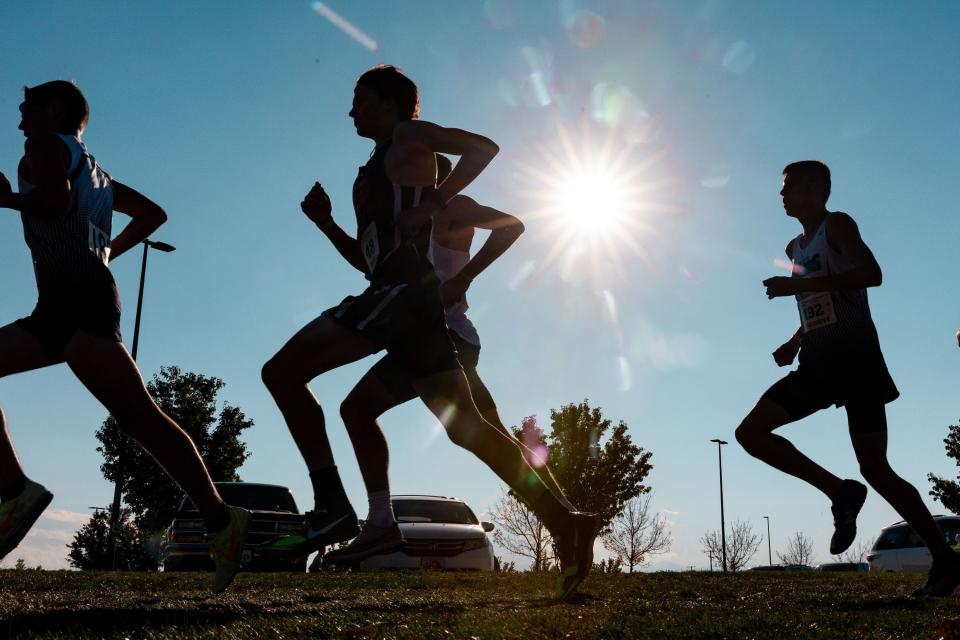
(636, 534)
(521, 532)
(799, 550)
(742, 544)
(856, 553)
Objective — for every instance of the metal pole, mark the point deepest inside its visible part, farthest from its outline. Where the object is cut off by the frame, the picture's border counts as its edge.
(769, 552)
(723, 527)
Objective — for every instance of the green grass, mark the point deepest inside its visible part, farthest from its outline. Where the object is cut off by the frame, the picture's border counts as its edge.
(48, 604)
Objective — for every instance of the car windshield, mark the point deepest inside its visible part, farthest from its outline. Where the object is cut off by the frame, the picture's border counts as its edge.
(447, 512)
(257, 497)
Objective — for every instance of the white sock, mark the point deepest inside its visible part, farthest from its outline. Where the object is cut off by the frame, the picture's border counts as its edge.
(381, 509)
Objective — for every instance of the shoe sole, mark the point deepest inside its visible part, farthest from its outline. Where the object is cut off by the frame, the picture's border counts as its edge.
(242, 541)
(26, 524)
(856, 512)
(359, 556)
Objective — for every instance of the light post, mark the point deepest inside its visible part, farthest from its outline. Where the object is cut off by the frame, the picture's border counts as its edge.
(118, 485)
(769, 552)
(723, 528)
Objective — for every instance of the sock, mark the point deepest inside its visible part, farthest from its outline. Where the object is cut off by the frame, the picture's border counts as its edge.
(328, 493)
(221, 522)
(381, 509)
(12, 491)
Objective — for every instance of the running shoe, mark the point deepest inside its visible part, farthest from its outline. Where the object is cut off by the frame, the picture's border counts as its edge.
(575, 553)
(372, 541)
(943, 578)
(320, 529)
(226, 547)
(18, 514)
(847, 502)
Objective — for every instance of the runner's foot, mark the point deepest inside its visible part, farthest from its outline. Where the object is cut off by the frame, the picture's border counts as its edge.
(943, 578)
(575, 551)
(226, 547)
(18, 514)
(320, 529)
(373, 540)
(847, 502)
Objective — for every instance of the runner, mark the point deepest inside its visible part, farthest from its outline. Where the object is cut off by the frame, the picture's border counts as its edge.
(66, 202)
(395, 198)
(840, 364)
(388, 384)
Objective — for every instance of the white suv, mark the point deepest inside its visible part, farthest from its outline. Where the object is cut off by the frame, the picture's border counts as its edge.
(899, 548)
(440, 533)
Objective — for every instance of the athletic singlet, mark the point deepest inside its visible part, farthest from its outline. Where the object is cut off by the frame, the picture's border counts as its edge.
(377, 201)
(448, 263)
(830, 318)
(74, 248)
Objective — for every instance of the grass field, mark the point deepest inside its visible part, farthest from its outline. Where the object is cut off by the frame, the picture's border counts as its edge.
(49, 604)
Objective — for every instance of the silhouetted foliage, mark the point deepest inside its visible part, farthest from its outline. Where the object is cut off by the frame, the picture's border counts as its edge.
(636, 533)
(799, 550)
(742, 544)
(88, 551)
(948, 491)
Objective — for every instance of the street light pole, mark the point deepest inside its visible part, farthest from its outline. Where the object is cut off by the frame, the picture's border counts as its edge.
(118, 485)
(769, 552)
(723, 528)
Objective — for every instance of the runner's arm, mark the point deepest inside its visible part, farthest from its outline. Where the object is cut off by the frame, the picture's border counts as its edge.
(147, 216)
(317, 207)
(505, 229)
(843, 234)
(47, 158)
(475, 151)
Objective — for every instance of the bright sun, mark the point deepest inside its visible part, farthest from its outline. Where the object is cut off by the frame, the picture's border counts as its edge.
(593, 202)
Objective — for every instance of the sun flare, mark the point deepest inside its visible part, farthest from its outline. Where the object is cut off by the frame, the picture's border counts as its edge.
(593, 202)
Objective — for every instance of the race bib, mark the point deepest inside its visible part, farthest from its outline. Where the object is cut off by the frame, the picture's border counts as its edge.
(98, 241)
(370, 246)
(816, 310)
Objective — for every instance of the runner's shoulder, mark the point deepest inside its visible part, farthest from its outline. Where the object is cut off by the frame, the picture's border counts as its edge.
(839, 222)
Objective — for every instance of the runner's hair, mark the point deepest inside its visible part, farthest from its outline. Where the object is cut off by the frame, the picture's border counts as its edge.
(816, 169)
(390, 84)
(68, 94)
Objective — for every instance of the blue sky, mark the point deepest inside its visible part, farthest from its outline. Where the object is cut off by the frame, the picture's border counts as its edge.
(225, 114)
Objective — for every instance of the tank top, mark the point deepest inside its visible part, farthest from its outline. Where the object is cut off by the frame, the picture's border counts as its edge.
(377, 201)
(73, 249)
(831, 319)
(448, 263)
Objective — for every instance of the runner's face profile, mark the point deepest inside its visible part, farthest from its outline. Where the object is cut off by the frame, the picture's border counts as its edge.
(371, 115)
(35, 118)
(799, 194)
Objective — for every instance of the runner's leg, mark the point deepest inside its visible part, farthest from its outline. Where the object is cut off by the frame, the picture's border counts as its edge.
(365, 403)
(19, 351)
(868, 431)
(107, 370)
(755, 435)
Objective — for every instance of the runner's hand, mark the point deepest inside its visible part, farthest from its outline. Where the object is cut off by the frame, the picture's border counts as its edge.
(786, 352)
(779, 286)
(455, 289)
(5, 189)
(316, 205)
(411, 220)
(958, 338)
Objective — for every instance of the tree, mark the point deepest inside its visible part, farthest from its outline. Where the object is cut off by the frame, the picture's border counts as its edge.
(521, 532)
(742, 544)
(799, 550)
(89, 547)
(595, 463)
(191, 400)
(948, 491)
(635, 533)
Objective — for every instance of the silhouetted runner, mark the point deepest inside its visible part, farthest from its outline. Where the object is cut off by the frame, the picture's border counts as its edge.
(840, 364)
(66, 203)
(389, 384)
(395, 199)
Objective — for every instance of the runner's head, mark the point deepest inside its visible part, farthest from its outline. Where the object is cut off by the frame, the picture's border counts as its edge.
(806, 187)
(444, 167)
(57, 106)
(382, 98)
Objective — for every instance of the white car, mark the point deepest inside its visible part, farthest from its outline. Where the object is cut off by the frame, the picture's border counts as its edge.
(440, 533)
(899, 548)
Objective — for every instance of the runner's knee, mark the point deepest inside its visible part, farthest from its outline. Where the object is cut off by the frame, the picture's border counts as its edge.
(876, 471)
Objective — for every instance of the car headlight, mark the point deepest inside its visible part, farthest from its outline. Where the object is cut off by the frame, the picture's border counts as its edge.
(476, 543)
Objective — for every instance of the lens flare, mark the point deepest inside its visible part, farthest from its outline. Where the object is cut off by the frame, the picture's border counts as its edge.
(585, 29)
(345, 26)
